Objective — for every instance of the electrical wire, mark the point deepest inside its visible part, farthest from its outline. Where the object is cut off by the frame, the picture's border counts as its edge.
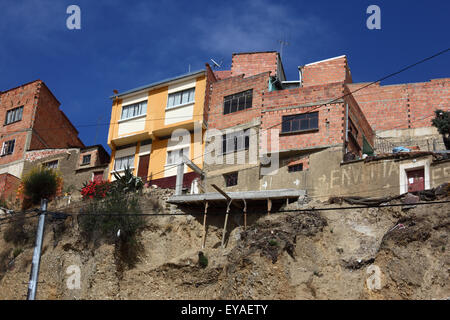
(336, 99)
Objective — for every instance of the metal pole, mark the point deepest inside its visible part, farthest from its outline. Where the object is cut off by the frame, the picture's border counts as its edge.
(179, 181)
(34, 275)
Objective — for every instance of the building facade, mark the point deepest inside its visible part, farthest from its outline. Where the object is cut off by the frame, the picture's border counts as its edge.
(154, 126)
(75, 165)
(31, 120)
(277, 134)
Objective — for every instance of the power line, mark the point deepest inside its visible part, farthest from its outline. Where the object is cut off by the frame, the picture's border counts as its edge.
(336, 99)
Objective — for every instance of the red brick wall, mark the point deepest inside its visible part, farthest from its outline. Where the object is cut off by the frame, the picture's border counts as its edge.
(19, 147)
(402, 106)
(335, 70)
(331, 123)
(359, 120)
(233, 85)
(8, 186)
(52, 125)
(252, 64)
(26, 96)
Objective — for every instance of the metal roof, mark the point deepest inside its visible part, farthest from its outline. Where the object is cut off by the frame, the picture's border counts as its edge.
(154, 84)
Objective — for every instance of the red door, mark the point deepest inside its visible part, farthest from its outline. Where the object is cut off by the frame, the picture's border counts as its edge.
(416, 180)
(143, 167)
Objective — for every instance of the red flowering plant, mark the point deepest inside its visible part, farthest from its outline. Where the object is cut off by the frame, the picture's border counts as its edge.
(95, 189)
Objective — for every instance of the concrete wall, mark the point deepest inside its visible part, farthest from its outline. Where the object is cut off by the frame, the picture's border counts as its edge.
(68, 166)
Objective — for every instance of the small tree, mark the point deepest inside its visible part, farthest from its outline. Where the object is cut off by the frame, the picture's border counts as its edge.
(442, 122)
(40, 183)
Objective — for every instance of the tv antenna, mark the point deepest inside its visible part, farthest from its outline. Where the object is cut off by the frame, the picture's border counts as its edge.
(282, 43)
(216, 65)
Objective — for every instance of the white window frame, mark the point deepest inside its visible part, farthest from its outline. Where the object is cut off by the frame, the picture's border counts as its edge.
(178, 158)
(142, 109)
(182, 102)
(3, 151)
(122, 168)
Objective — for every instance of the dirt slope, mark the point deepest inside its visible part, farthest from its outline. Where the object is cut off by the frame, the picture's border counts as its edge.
(314, 255)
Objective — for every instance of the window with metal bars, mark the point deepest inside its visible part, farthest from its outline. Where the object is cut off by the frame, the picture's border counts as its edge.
(237, 102)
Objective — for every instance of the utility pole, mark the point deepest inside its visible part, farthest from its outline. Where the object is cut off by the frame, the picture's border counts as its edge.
(34, 275)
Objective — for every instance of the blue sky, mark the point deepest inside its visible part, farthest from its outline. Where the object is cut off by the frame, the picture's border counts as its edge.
(126, 44)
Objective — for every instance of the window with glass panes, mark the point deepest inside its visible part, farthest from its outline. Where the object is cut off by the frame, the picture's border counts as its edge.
(238, 101)
(300, 122)
(124, 162)
(180, 98)
(14, 115)
(51, 164)
(8, 147)
(176, 156)
(134, 110)
(86, 159)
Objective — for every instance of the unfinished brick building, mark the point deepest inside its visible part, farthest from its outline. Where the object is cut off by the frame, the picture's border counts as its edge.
(31, 120)
(314, 126)
(401, 114)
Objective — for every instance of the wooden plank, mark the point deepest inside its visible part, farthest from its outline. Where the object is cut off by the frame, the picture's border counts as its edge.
(269, 205)
(225, 224)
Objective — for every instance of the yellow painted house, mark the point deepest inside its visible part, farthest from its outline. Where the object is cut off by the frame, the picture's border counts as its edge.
(146, 125)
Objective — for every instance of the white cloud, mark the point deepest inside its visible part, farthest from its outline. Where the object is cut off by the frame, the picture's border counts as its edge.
(255, 25)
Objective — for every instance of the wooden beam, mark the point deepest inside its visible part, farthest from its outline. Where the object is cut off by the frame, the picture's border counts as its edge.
(245, 214)
(227, 196)
(269, 206)
(225, 224)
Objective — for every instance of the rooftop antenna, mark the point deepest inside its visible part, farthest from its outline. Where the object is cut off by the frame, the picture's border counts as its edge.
(216, 65)
(282, 43)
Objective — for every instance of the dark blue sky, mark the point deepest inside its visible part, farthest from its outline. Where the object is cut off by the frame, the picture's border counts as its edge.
(126, 44)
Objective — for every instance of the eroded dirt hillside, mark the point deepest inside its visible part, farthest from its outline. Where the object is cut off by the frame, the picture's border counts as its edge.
(307, 255)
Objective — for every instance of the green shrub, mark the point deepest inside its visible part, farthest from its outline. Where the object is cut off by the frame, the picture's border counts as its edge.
(16, 233)
(104, 218)
(127, 182)
(273, 242)
(40, 183)
(16, 252)
(202, 260)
